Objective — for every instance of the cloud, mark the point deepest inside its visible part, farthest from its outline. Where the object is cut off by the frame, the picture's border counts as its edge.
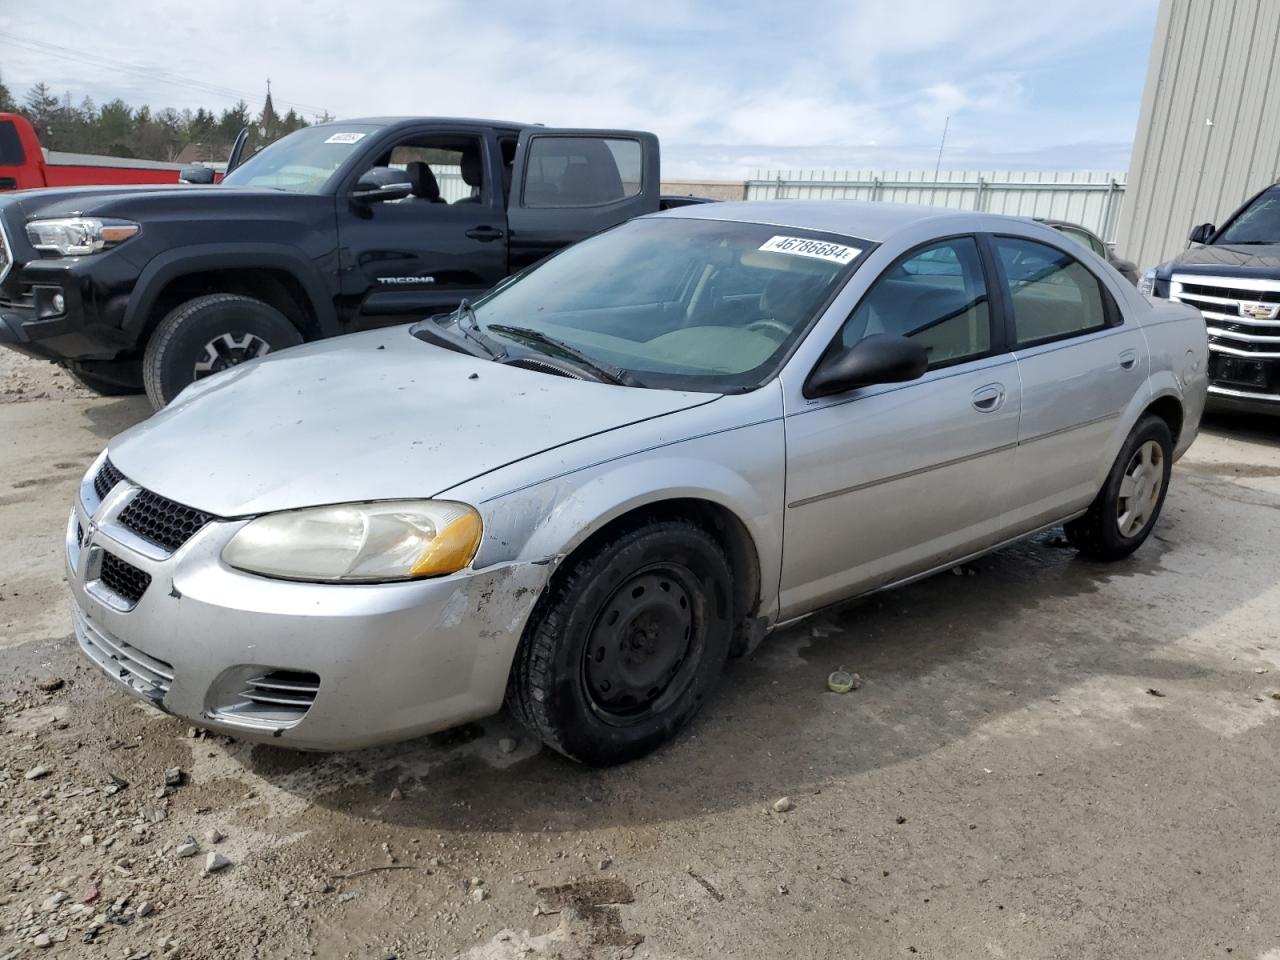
(828, 81)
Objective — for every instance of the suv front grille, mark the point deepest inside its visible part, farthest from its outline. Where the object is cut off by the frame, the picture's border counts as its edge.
(108, 476)
(1225, 305)
(162, 521)
(6, 254)
(123, 579)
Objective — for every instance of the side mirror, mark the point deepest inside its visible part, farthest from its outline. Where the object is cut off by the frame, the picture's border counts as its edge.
(202, 175)
(1202, 233)
(879, 358)
(379, 184)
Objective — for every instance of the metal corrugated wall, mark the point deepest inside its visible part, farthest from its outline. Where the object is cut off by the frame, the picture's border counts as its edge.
(1088, 198)
(1209, 131)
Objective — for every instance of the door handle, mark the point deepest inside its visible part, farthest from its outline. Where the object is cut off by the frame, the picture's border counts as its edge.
(988, 399)
(1129, 359)
(485, 234)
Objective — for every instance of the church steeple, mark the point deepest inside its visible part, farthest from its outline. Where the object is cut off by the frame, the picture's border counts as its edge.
(269, 121)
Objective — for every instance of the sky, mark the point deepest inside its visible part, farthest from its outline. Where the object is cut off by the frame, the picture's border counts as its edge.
(728, 88)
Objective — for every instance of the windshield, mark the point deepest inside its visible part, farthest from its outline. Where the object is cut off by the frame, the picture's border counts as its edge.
(684, 304)
(1257, 223)
(304, 161)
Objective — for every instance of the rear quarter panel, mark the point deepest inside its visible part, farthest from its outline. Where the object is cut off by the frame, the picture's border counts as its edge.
(1179, 349)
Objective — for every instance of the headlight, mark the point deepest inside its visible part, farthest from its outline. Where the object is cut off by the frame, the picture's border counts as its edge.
(359, 542)
(77, 236)
(1147, 284)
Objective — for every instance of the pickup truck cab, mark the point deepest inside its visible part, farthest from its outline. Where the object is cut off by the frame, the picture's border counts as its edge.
(336, 228)
(1231, 274)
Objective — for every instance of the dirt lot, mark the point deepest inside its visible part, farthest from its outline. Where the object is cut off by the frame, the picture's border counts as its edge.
(1049, 758)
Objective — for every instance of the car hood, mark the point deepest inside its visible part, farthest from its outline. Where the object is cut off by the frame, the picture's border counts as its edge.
(132, 200)
(1240, 259)
(373, 416)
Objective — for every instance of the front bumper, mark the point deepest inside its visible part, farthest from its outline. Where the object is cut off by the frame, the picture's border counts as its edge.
(90, 326)
(393, 661)
(1222, 397)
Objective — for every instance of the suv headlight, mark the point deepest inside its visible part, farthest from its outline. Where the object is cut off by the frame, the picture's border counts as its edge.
(1147, 284)
(359, 542)
(78, 236)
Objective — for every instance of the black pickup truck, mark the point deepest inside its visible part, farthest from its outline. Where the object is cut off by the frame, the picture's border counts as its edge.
(1232, 276)
(335, 228)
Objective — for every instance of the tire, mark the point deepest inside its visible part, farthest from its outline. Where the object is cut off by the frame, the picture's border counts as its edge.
(1104, 533)
(636, 594)
(207, 335)
(103, 386)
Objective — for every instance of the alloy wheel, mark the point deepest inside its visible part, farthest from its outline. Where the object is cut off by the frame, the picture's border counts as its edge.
(1140, 489)
(227, 350)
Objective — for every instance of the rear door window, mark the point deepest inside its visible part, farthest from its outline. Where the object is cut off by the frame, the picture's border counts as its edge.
(1053, 294)
(582, 171)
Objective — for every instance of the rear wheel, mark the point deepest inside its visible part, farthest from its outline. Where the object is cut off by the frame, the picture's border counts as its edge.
(627, 644)
(208, 335)
(1125, 510)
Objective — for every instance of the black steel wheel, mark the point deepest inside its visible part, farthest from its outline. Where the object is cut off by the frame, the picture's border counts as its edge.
(627, 643)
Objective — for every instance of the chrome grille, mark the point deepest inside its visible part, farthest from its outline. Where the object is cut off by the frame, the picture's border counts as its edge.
(1227, 304)
(146, 674)
(6, 254)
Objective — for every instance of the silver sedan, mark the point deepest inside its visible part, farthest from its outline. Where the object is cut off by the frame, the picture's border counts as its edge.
(580, 495)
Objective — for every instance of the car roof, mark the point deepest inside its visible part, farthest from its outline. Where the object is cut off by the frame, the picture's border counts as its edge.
(866, 220)
(397, 121)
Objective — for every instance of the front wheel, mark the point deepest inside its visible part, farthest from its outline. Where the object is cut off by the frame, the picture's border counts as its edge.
(207, 335)
(627, 644)
(1125, 510)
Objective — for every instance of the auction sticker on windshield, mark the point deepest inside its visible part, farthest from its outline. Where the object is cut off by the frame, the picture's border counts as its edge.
(818, 249)
(346, 138)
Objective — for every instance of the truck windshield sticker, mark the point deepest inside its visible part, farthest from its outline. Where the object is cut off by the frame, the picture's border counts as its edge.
(819, 249)
(345, 138)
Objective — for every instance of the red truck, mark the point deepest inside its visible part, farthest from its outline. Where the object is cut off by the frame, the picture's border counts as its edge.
(24, 164)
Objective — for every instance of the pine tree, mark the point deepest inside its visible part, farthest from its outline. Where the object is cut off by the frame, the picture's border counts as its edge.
(7, 103)
(40, 107)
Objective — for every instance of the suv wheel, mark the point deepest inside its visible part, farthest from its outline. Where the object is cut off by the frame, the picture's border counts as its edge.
(626, 645)
(1125, 510)
(207, 335)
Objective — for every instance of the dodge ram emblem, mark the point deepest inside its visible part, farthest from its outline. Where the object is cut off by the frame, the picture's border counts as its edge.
(1258, 311)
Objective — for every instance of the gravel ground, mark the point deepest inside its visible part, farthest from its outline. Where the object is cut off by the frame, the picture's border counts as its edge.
(1048, 758)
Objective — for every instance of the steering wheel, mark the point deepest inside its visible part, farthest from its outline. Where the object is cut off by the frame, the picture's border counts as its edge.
(777, 328)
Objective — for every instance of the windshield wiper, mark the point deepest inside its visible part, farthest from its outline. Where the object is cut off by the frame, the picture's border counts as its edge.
(601, 369)
(1247, 243)
(474, 333)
